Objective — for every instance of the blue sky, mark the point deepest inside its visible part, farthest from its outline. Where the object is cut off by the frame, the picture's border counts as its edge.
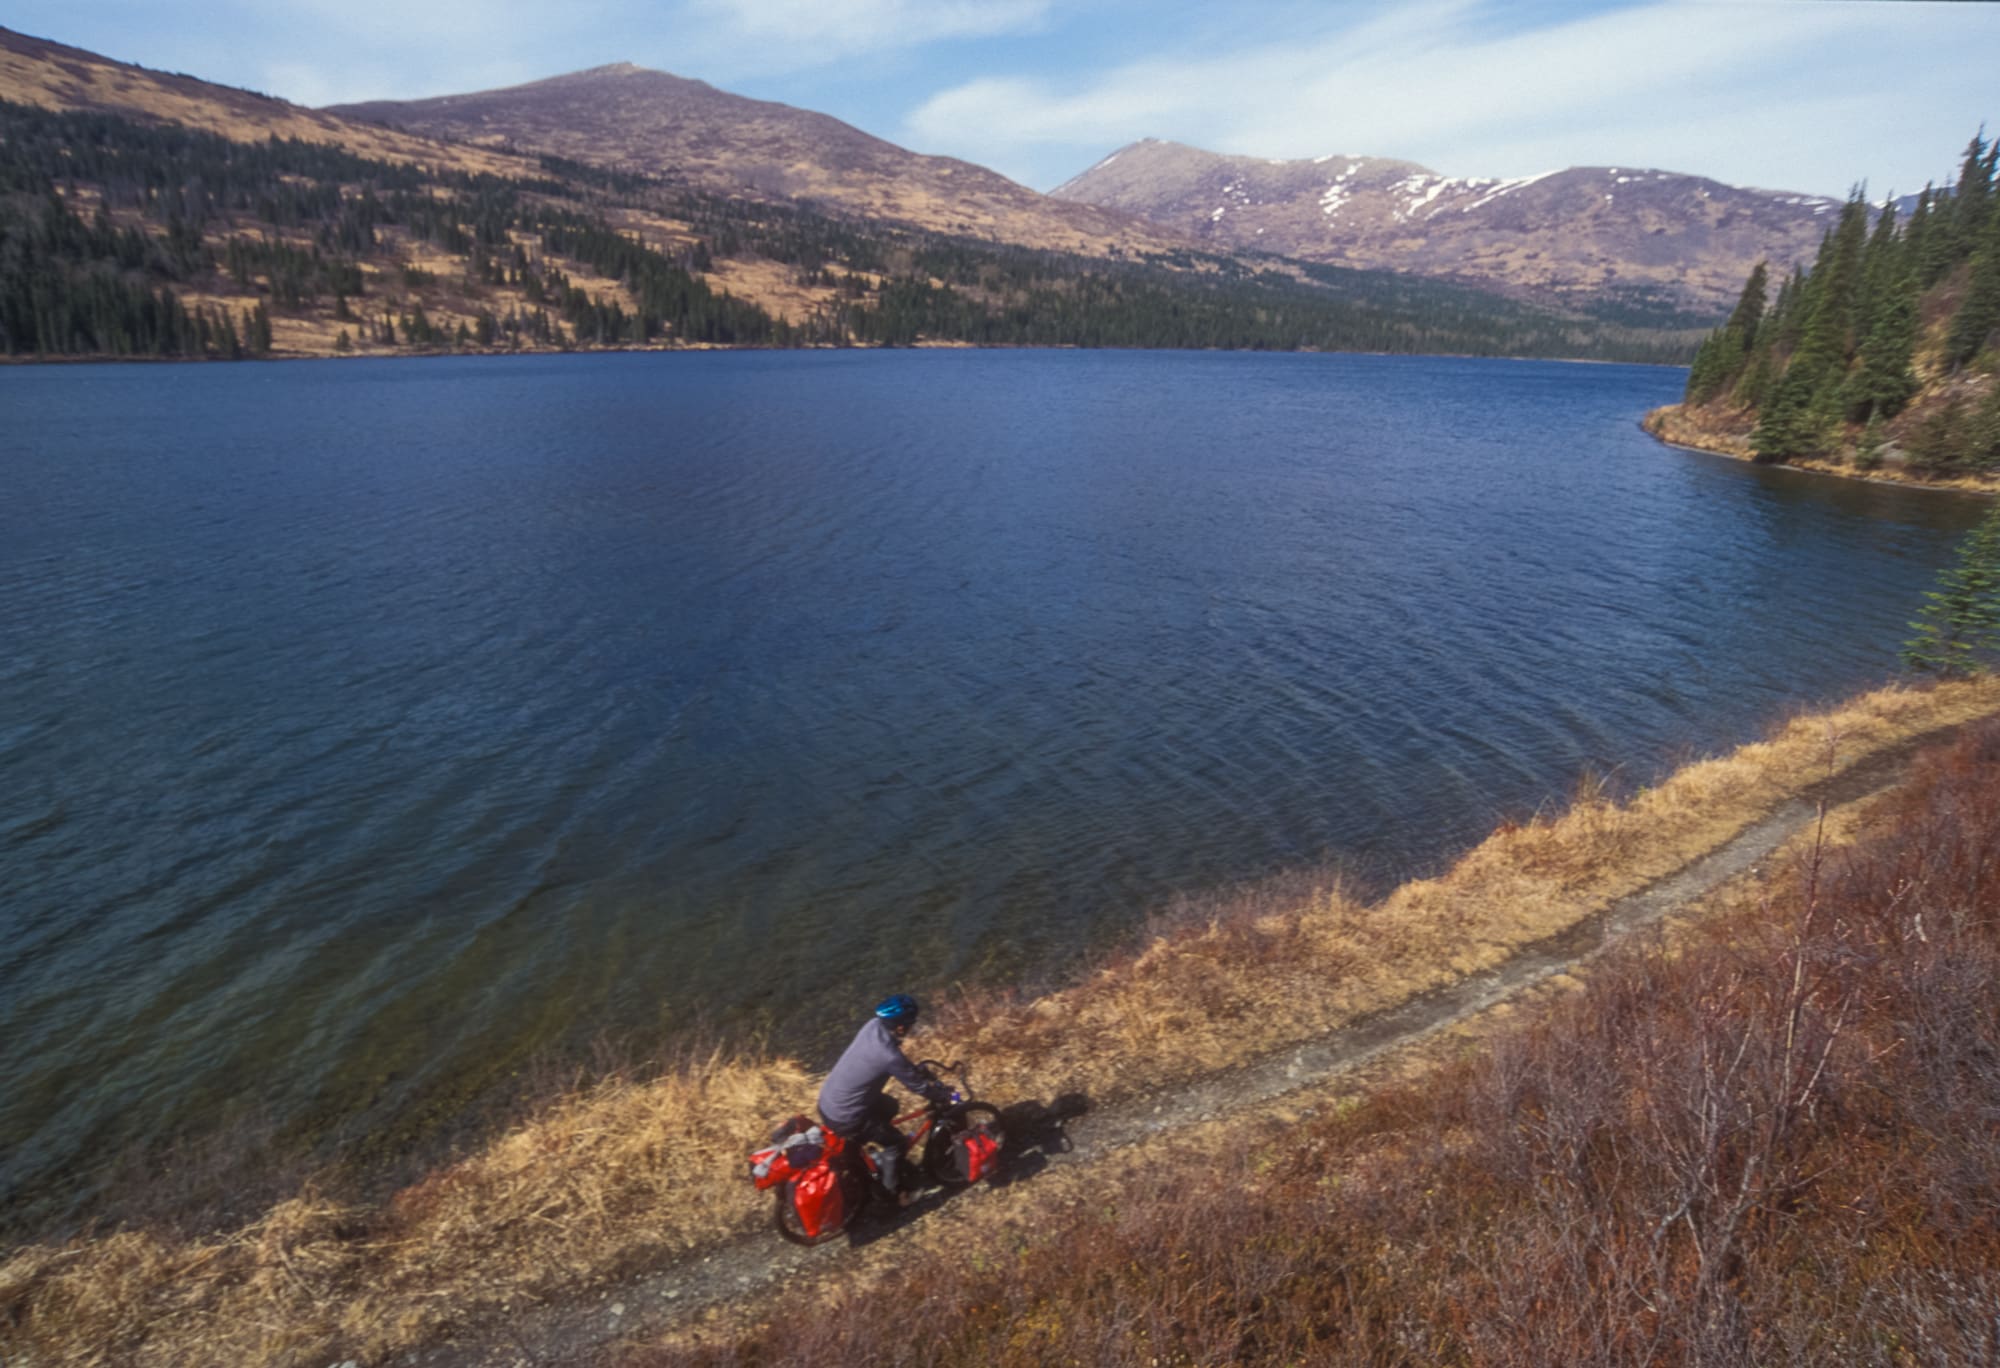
(1805, 95)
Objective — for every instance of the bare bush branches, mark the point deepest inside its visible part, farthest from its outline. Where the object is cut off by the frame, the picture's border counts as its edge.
(1778, 1145)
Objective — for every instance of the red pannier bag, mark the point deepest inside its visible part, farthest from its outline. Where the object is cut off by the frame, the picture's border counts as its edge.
(807, 1158)
(769, 1167)
(817, 1195)
(973, 1154)
(791, 1149)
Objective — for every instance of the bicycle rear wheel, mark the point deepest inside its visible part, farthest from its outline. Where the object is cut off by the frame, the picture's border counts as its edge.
(785, 1214)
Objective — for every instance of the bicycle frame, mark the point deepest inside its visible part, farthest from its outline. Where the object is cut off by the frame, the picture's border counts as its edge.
(925, 1115)
(926, 1119)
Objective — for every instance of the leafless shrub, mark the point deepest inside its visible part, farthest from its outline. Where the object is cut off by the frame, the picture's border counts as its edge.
(1778, 1145)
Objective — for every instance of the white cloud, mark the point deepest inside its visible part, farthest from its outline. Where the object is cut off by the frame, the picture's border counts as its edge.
(816, 31)
(317, 52)
(1788, 95)
(326, 51)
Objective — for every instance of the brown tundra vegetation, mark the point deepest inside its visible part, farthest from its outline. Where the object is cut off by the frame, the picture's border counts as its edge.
(1772, 1136)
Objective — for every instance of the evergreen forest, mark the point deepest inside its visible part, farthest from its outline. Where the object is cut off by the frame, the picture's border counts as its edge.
(127, 239)
(1885, 351)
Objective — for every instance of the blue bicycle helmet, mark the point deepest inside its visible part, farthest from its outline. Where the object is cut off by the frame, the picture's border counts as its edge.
(900, 1010)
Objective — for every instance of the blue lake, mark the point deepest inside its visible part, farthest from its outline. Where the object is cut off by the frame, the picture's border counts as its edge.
(367, 725)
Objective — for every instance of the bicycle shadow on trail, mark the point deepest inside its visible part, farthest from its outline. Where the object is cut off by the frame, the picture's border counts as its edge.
(1036, 1131)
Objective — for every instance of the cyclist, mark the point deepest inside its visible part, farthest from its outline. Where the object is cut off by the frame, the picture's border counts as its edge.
(852, 1102)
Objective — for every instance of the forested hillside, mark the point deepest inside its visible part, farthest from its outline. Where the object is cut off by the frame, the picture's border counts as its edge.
(127, 239)
(1884, 355)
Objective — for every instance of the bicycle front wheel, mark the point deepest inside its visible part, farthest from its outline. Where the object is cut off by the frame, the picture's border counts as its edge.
(944, 1158)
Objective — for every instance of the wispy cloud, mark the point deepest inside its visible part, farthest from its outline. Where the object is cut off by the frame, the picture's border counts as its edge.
(1782, 94)
(326, 51)
(785, 34)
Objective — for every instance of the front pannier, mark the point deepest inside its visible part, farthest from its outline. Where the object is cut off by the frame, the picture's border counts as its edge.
(973, 1154)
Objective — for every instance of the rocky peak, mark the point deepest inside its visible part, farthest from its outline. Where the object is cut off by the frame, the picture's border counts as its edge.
(1584, 228)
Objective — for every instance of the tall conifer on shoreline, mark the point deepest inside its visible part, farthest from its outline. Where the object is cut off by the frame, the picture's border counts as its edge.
(1839, 354)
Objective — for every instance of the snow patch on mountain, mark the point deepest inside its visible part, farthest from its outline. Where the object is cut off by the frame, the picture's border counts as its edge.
(1505, 187)
(1418, 191)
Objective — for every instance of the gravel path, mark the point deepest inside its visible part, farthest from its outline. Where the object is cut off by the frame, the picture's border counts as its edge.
(745, 1266)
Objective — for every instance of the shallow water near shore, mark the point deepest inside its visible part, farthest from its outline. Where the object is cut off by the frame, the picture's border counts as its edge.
(367, 725)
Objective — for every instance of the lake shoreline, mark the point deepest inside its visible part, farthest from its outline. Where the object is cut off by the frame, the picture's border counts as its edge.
(643, 1174)
(375, 353)
(1671, 426)
(1159, 652)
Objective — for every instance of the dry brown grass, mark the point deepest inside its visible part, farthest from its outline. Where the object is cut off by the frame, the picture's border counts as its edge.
(1770, 1143)
(1258, 978)
(607, 1180)
(626, 1173)
(772, 286)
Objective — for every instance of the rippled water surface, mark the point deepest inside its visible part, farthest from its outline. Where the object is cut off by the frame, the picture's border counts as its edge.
(364, 725)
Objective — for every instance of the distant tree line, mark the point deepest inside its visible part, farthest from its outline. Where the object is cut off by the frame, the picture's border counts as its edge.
(1835, 360)
(107, 226)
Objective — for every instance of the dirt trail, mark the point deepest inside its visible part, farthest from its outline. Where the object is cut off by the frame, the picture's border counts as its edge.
(743, 1267)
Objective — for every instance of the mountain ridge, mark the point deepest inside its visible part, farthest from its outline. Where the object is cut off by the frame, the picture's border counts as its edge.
(1655, 247)
(55, 76)
(634, 118)
(1571, 230)
(269, 247)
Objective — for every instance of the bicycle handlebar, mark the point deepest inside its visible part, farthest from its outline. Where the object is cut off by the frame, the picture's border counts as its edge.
(938, 1071)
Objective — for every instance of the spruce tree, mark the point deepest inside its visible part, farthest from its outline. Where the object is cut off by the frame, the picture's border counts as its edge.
(1974, 195)
(1881, 263)
(1754, 389)
(1960, 624)
(1784, 426)
(1882, 380)
(1937, 251)
(1840, 291)
(1979, 314)
(1806, 409)
(1874, 441)
(1749, 311)
(1916, 234)
(1720, 361)
(1715, 360)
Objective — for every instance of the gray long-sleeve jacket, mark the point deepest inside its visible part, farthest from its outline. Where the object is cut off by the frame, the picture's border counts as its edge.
(871, 1060)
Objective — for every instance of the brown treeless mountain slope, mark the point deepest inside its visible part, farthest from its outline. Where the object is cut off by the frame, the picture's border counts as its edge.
(1582, 229)
(649, 121)
(35, 71)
